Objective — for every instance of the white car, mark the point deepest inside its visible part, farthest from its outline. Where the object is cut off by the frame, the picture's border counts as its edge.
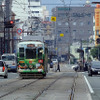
(75, 67)
(94, 68)
(55, 61)
(3, 69)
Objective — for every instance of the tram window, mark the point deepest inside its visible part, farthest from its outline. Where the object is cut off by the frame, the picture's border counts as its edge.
(40, 52)
(21, 55)
(21, 52)
(30, 53)
(21, 49)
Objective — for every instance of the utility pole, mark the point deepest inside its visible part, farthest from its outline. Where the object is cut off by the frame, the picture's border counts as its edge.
(7, 15)
(82, 55)
(80, 48)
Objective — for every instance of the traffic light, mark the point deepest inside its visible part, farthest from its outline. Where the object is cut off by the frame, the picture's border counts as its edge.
(98, 41)
(80, 50)
(9, 24)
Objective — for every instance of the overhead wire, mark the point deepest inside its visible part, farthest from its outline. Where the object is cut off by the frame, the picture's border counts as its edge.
(28, 12)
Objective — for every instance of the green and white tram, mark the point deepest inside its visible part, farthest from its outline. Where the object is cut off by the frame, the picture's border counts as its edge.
(32, 59)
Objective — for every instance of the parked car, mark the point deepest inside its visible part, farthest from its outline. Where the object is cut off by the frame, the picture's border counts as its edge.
(3, 69)
(94, 68)
(75, 67)
(55, 61)
(11, 60)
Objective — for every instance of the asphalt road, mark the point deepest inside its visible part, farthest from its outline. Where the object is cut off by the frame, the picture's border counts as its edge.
(11, 76)
(55, 86)
(94, 87)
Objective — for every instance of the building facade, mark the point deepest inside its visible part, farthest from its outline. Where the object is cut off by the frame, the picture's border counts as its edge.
(76, 23)
(1, 29)
(97, 25)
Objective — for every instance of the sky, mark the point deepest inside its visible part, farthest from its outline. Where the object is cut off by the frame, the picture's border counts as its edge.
(20, 6)
(52, 3)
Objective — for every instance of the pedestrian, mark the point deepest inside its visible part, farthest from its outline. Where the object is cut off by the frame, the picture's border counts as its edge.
(58, 67)
(81, 65)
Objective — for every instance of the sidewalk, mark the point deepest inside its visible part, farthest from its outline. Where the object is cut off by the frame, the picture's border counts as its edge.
(81, 89)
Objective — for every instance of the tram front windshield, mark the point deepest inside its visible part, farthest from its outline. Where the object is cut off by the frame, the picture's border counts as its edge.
(30, 53)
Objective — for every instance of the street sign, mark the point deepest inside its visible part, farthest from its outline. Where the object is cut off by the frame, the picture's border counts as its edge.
(19, 31)
(56, 48)
(53, 19)
(61, 35)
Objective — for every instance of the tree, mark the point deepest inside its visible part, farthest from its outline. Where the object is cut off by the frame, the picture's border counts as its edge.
(95, 52)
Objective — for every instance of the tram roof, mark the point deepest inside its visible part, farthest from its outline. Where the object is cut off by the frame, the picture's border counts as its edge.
(32, 42)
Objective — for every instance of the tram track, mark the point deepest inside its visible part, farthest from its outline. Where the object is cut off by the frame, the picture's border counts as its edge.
(71, 96)
(45, 89)
(10, 92)
(40, 90)
(11, 82)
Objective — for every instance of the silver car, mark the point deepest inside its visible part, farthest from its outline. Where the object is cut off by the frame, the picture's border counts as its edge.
(3, 69)
(94, 68)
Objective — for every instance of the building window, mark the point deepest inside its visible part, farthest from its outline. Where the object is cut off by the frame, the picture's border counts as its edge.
(66, 31)
(59, 23)
(81, 23)
(74, 31)
(89, 31)
(89, 22)
(59, 31)
(81, 31)
(35, 11)
(59, 39)
(74, 23)
(66, 23)
(97, 32)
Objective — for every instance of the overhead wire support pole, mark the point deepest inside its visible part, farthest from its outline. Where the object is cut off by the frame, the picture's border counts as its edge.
(56, 38)
(69, 28)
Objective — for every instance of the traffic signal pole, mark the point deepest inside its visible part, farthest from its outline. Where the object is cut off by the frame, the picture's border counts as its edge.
(7, 30)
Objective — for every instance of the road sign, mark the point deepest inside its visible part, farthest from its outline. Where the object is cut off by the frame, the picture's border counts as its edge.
(61, 35)
(53, 18)
(56, 48)
(19, 31)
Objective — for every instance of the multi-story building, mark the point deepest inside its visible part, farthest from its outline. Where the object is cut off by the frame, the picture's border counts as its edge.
(36, 10)
(33, 14)
(97, 25)
(76, 23)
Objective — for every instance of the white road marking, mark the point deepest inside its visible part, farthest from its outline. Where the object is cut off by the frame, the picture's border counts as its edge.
(90, 88)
